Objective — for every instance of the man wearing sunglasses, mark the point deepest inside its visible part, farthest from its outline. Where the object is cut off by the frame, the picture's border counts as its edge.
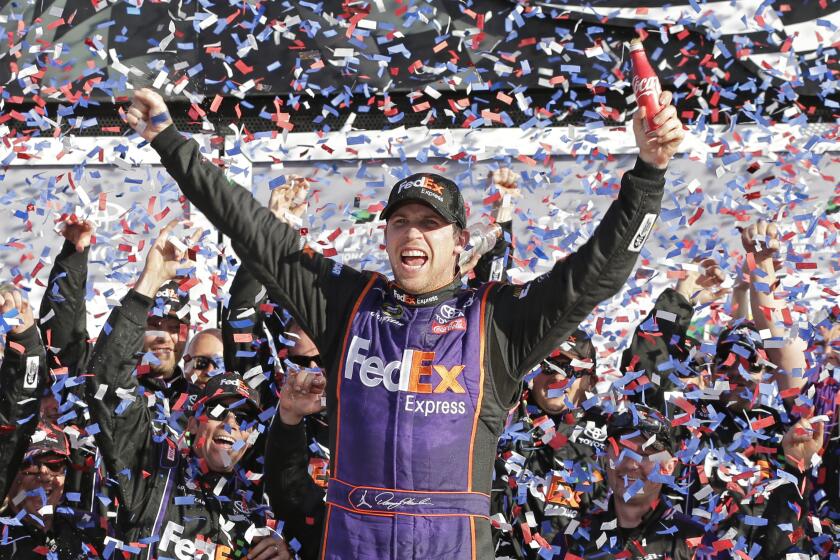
(639, 522)
(33, 462)
(204, 357)
(35, 498)
(181, 498)
(296, 451)
(547, 471)
(421, 371)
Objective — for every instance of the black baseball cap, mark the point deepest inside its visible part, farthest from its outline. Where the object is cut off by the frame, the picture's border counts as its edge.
(226, 385)
(47, 439)
(430, 189)
(743, 340)
(645, 420)
(171, 301)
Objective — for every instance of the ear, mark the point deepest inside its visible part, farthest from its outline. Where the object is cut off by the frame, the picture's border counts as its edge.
(669, 466)
(462, 241)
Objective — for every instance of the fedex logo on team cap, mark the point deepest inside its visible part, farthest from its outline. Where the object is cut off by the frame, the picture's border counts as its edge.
(415, 373)
(427, 185)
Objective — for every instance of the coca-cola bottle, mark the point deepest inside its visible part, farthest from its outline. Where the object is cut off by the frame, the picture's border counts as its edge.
(645, 82)
(482, 238)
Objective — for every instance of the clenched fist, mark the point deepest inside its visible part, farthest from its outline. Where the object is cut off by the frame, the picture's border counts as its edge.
(148, 114)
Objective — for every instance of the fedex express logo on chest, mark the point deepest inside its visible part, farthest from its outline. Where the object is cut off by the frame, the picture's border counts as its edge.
(415, 374)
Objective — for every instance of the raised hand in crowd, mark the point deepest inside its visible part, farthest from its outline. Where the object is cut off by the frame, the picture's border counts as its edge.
(658, 146)
(148, 114)
(301, 395)
(79, 233)
(506, 182)
(168, 258)
(289, 202)
(761, 242)
(802, 440)
(702, 283)
(11, 298)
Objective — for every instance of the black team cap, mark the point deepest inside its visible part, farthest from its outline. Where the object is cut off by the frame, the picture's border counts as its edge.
(170, 301)
(647, 422)
(432, 190)
(227, 385)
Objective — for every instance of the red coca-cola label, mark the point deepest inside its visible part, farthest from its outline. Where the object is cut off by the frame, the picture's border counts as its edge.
(649, 85)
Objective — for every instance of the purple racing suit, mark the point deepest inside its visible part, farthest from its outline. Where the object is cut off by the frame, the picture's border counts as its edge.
(414, 377)
(418, 386)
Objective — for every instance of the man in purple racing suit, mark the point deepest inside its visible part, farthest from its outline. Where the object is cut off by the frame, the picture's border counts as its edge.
(420, 370)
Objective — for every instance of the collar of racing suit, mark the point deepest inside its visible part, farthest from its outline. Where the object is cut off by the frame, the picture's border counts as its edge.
(428, 299)
(636, 533)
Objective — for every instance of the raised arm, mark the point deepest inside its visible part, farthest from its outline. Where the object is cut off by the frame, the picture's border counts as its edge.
(313, 288)
(493, 264)
(22, 381)
(533, 319)
(662, 336)
(293, 494)
(242, 319)
(761, 242)
(123, 420)
(63, 312)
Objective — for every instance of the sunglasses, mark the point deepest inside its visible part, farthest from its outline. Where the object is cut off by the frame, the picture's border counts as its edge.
(649, 422)
(52, 469)
(563, 365)
(243, 415)
(306, 361)
(206, 362)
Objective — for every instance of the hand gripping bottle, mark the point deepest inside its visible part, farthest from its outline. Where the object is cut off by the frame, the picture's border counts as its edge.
(645, 83)
(482, 239)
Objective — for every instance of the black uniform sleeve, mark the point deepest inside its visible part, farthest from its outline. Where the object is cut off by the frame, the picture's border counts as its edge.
(786, 513)
(530, 320)
(118, 407)
(242, 317)
(656, 340)
(293, 495)
(316, 290)
(22, 381)
(63, 309)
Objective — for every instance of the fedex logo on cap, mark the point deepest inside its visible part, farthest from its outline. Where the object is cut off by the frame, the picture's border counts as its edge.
(427, 185)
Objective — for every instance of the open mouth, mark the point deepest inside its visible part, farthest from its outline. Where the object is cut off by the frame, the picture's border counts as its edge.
(413, 258)
(224, 441)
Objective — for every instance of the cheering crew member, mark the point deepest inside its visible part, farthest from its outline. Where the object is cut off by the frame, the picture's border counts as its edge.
(661, 356)
(174, 503)
(292, 473)
(48, 527)
(639, 522)
(22, 380)
(33, 471)
(421, 371)
(548, 477)
(64, 329)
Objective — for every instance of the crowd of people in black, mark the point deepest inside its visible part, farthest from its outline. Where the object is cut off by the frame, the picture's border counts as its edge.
(153, 439)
